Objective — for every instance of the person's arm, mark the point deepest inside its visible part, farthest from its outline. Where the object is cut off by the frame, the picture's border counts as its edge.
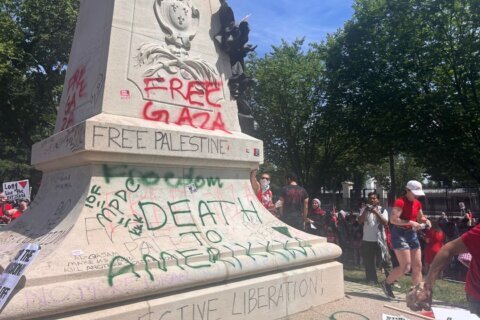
(381, 215)
(442, 258)
(253, 181)
(305, 211)
(363, 214)
(423, 219)
(395, 219)
(280, 209)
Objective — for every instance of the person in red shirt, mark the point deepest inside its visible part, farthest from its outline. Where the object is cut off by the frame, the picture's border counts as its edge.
(5, 208)
(434, 239)
(407, 218)
(22, 206)
(470, 218)
(468, 242)
(262, 190)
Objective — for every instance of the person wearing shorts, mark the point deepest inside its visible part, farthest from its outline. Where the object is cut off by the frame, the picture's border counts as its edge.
(406, 219)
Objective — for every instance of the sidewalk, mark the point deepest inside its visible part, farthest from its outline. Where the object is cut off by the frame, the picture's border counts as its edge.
(361, 302)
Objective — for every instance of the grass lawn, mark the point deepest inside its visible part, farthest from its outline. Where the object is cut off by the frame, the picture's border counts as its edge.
(449, 292)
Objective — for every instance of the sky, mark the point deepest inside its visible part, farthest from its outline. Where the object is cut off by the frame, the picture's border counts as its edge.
(273, 20)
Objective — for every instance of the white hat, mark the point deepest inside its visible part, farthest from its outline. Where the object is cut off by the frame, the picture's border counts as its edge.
(415, 187)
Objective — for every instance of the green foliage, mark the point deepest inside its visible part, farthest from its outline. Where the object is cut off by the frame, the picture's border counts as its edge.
(288, 103)
(404, 77)
(33, 58)
(451, 293)
(406, 168)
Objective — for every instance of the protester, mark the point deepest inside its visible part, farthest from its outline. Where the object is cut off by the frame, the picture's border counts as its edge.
(5, 208)
(443, 220)
(468, 242)
(318, 217)
(356, 232)
(343, 234)
(406, 217)
(470, 217)
(434, 239)
(332, 227)
(451, 231)
(374, 218)
(22, 206)
(263, 191)
(464, 224)
(295, 203)
(462, 207)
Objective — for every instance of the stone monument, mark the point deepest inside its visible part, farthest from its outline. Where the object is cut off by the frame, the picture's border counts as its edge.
(145, 209)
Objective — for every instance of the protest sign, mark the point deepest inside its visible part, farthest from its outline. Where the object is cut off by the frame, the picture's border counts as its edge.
(17, 190)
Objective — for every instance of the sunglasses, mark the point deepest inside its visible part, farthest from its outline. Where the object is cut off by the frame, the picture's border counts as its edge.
(264, 178)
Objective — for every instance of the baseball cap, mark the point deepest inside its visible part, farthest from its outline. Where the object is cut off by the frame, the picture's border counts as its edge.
(415, 187)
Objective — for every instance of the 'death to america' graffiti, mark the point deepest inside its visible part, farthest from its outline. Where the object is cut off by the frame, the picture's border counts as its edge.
(189, 218)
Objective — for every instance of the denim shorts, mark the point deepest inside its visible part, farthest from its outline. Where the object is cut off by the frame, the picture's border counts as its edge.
(404, 239)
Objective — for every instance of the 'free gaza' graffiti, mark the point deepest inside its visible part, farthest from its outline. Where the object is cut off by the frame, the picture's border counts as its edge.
(195, 119)
(194, 93)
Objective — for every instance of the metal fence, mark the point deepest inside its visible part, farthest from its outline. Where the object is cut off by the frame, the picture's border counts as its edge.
(448, 199)
(435, 200)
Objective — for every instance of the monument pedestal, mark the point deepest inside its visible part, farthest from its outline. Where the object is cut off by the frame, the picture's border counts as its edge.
(146, 209)
(271, 296)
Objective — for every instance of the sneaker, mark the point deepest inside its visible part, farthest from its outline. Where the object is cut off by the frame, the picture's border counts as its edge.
(387, 289)
(396, 285)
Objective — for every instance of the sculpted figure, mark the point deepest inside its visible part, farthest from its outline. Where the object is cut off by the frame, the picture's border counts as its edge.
(233, 40)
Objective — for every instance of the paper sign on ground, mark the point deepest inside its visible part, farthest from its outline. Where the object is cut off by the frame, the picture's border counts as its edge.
(389, 317)
(453, 314)
(14, 271)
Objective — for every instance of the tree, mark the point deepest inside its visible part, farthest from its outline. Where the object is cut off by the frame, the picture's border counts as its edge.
(403, 75)
(33, 58)
(288, 103)
(406, 168)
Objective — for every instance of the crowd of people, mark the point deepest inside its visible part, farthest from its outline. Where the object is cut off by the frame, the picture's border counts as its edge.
(11, 210)
(404, 241)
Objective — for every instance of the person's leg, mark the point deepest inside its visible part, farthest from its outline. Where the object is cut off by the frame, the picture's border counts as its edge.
(368, 253)
(474, 305)
(404, 261)
(416, 261)
(427, 267)
(394, 258)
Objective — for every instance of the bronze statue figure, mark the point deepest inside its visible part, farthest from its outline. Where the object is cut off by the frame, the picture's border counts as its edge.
(233, 40)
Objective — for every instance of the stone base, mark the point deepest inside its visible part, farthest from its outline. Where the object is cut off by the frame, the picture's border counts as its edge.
(272, 296)
(116, 235)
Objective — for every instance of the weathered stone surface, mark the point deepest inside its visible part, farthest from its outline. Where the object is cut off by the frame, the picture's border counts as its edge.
(146, 205)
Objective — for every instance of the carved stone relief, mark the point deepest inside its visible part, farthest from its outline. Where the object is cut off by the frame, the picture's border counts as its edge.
(179, 20)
